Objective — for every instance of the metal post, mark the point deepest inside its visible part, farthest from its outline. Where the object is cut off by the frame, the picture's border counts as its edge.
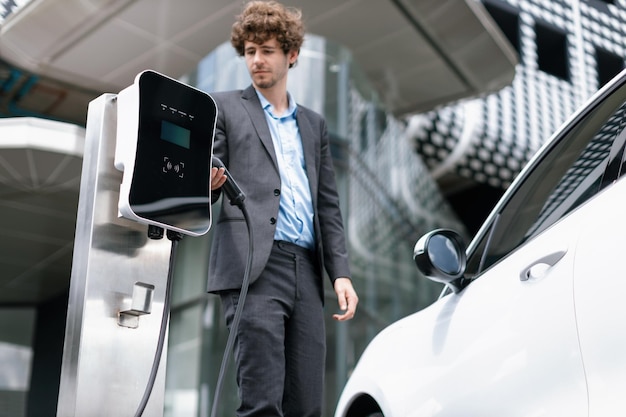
(116, 269)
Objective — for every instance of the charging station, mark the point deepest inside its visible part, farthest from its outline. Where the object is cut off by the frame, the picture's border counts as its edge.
(165, 152)
(145, 174)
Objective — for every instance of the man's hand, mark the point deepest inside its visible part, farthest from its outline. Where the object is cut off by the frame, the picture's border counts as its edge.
(217, 178)
(347, 298)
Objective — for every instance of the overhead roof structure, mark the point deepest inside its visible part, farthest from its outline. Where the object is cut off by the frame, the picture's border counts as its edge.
(417, 53)
(56, 56)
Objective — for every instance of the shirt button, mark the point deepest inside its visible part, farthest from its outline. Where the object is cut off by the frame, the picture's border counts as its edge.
(272, 220)
(277, 192)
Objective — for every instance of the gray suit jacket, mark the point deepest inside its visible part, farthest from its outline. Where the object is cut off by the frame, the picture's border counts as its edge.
(244, 144)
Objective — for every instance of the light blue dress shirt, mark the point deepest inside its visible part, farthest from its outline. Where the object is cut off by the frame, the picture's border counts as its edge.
(295, 214)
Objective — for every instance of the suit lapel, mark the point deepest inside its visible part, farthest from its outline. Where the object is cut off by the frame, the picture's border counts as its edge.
(251, 103)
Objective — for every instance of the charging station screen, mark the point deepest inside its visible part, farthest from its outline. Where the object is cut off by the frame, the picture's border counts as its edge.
(175, 134)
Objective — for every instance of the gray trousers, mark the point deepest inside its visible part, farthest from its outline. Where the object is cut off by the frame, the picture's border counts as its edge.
(280, 347)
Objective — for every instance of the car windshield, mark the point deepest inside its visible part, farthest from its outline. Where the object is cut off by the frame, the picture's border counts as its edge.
(575, 168)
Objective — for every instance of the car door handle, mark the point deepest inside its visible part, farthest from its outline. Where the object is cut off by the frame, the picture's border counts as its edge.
(539, 268)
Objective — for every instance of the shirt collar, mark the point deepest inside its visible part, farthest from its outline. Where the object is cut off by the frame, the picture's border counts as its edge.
(267, 106)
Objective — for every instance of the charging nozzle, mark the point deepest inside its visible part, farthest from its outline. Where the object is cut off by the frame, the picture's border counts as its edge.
(230, 187)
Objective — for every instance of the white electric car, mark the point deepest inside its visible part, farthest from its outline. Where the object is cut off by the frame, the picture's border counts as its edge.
(534, 322)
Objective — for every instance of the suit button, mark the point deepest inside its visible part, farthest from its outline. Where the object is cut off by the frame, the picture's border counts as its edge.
(272, 220)
(277, 192)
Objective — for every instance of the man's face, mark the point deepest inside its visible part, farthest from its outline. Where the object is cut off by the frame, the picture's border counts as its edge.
(267, 63)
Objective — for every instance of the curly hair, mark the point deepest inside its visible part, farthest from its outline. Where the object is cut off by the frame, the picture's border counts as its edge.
(263, 20)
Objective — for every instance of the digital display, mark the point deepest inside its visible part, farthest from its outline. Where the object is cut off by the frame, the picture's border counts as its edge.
(175, 134)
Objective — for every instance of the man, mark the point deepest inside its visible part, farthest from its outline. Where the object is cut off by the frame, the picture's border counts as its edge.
(279, 154)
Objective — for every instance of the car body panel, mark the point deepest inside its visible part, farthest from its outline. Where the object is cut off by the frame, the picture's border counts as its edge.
(600, 298)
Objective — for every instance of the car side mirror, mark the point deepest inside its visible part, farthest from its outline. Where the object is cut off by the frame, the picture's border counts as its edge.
(440, 256)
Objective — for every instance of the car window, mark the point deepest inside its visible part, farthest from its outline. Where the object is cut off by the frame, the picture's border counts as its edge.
(587, 158)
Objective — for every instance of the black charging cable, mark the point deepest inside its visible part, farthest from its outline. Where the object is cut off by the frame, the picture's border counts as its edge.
(155, 232)
(236, 198)
(236, 319)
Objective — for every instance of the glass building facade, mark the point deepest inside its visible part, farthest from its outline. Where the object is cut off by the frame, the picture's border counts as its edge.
(388, 201)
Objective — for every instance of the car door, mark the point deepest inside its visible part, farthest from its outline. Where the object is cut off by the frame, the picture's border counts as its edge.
(600, 285)
(599, 288)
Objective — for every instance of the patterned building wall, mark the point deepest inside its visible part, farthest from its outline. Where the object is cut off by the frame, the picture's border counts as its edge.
(489, 139)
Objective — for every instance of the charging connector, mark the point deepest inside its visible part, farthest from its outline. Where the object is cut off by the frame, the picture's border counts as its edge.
(230, 187)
